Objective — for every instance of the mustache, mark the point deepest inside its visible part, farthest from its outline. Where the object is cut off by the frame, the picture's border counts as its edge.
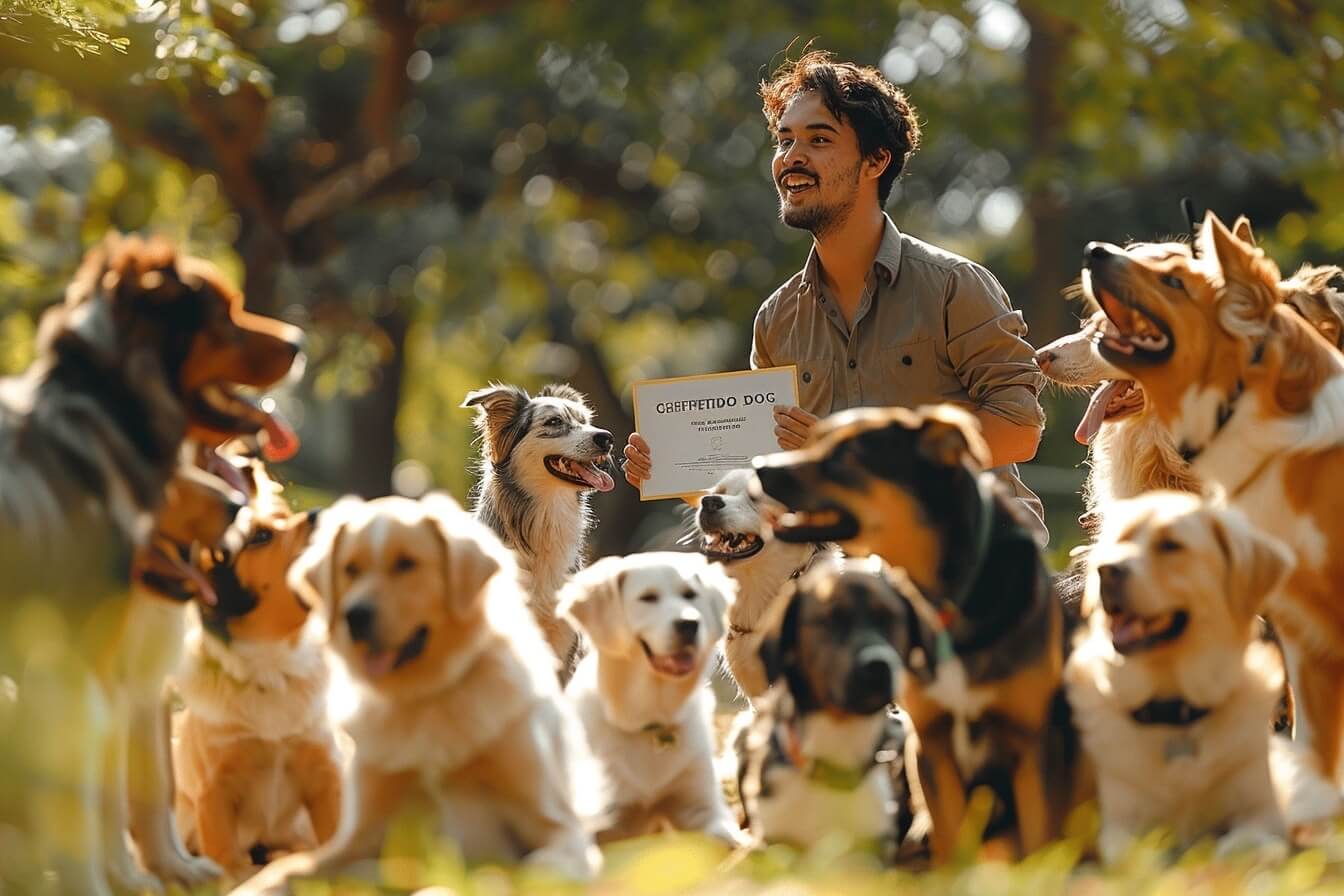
(797, 169)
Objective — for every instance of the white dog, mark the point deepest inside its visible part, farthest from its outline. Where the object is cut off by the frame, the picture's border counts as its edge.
(653, 620)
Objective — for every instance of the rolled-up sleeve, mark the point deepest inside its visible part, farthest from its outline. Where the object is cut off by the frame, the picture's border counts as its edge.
(760, 347)
(987, 346)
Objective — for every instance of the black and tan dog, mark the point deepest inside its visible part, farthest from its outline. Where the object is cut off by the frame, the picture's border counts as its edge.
(823, 753)
(984, 661)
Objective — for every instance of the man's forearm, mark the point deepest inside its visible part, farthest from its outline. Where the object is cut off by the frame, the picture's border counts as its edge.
(1009, 442)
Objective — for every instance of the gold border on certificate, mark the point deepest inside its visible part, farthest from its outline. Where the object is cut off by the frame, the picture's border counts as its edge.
(741, 374)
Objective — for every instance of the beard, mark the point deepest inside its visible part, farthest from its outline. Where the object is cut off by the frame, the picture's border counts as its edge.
(819, 218)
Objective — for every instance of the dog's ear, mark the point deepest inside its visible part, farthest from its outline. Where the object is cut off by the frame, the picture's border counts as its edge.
(563, 391)
(591, 601)
(1241, 229)
(949, 436)
(472, 554)
(497, 404)
(722, 590)
(1250, 279)
(1256, 563)
(779, 641)
(312, 575)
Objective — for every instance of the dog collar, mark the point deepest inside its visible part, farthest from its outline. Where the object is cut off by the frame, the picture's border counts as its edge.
(1174, 712)
(1225, 411)
(807, 564)
(825, 773)
(663, 735)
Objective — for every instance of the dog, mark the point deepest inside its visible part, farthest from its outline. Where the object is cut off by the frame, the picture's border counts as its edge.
(1251, 394)
(983, 687)
(734, 529)
(255, 756)
(1168, 684)
(142, 358)
(540, 459)
(642, 693)
(823, 753)
(458, 710)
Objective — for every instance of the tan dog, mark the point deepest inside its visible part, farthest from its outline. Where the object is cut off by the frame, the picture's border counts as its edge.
(1169, 687)
(458, 709)
(1253, 397)
(256, 760)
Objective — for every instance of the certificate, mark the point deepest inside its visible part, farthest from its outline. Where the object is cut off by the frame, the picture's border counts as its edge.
(700, 427)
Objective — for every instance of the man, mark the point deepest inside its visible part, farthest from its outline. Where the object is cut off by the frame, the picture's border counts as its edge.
(876, 317)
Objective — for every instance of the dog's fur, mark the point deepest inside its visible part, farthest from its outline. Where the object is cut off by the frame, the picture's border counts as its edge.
(910, 487)
(735, 529)
(1255, 396)
(140, 357)
(458, 710)
(824, 755)
(1173, 589)
(654, 621)
(539, 511)
(255, 757)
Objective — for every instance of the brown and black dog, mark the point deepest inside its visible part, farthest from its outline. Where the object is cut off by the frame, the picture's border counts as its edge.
(148, 350)
(983, 666)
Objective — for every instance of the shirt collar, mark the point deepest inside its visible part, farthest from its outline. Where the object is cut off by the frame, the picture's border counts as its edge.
(887, 263)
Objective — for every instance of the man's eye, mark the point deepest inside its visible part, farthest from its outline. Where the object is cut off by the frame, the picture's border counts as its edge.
(1172, 281)
(783, 144)
(820, 140)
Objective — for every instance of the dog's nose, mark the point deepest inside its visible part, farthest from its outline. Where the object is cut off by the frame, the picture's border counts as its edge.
(1044, 358)
(1111, 584)
(871, 683)
(603, 440)
(711, 503)
(359, 619)
(687, 629)
(1097, 252)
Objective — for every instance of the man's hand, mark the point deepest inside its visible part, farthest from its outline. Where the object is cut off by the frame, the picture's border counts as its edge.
(638, 465)
(792, 426)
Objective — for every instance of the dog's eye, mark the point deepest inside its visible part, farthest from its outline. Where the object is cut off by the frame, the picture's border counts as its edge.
(649, 597)
(1169, 546)
(688, 593)
(554, 421)
(260, 537)
(403, 564)
(351, 570)
(1172, 281)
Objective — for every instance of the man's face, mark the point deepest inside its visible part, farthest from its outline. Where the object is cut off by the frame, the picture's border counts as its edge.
(816, 166)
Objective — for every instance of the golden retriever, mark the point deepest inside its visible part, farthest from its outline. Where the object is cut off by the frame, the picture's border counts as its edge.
(1169, 687)
(1253, 397)
(458, 710)
(255, 757)
(654, 621)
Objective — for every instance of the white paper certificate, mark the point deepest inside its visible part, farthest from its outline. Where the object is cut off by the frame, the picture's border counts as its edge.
(700, 427)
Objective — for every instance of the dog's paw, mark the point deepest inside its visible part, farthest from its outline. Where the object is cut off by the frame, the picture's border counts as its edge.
(185, 870)
(128, 877)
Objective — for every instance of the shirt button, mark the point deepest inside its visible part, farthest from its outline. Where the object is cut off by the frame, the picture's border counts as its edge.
(823, 300)
(853, 363)
(807, 377)
(907, 360)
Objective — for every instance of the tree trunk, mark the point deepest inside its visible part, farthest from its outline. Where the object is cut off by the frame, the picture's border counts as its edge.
(373, 418)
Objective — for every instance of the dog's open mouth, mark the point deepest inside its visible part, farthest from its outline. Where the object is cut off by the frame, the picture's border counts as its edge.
(1137, 334)
(828, 523)
(378, 663)
(1132, 633)
(1112, 400)
(677, 664)
(166, 569)
(730, 545)
(585, 473)
(224, 408)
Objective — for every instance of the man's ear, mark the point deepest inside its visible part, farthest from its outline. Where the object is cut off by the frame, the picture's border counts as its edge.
(498, 405)
(949, 436)
(472, 555)
(312, 575)
(591, 601)
(877, 161)
(779, 643)
(1256, 563)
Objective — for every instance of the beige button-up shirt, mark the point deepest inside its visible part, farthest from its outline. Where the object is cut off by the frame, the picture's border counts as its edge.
(931, 327)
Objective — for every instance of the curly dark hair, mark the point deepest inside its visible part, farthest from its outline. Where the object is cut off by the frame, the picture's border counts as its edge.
(878, 110)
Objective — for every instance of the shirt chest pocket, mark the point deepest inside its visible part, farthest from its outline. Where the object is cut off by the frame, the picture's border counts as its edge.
(816, 386)
(910, 375)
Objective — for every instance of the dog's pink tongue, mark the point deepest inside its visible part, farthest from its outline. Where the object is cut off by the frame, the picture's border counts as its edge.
(596, 477)
(378, 664)
(1095, 414)
(1125, 632)
(281, 442)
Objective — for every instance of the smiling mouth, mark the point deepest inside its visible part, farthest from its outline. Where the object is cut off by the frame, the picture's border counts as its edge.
(222, 408)
(678, 664)
(1131, 633)
(833, 523)
(1136, 333)
(796, 182)
(730, 545)
(584, 473)
(378, 663)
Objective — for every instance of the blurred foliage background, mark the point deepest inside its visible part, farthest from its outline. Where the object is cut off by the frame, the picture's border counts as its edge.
(445, 192)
